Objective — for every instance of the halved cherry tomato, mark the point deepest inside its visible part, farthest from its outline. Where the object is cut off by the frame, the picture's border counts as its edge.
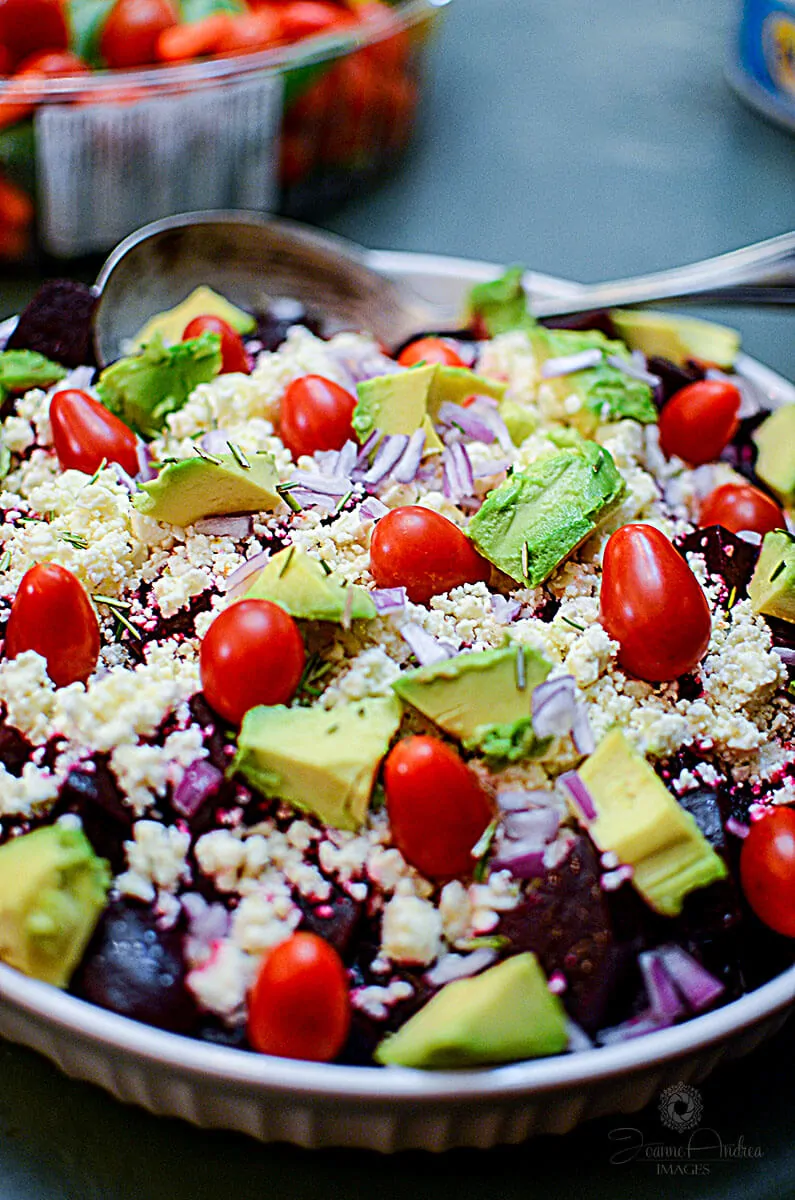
(27, 26)
(52, 615)
(182, 43)
(430, 350)
(738, 506)
(251, 31)
(53, 63)
(304, 18)
(315, 415)
(84, 433)
(437, 807)
(767, 870)
(652, 605)
(233, 352)
(699, 420)
(420, 550)
(251, 654)
(131, 31)
(299, 1005)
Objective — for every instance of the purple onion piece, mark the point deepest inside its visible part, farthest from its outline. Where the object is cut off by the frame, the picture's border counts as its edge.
(145, 469)
(581, 732)
(426, 649)
(200, 782)
(699, 988)
(337, 485)
(459, 966)
(221, 526)
(487, 470)
(579, 795)
(215, 441)
(463, 468)
(364, 454)
(752, 399)
(455, 416)
(663, 998)
(409, 462)
(388, 600)
(525, 860)
(372, 509)
(505, 610)
(346, 459)
(236, 583)
(786, 654)
(539, 824)
(635, 1027)
(738, 828)
(124, 479)
(516, 801)
(389, 453)
(633, 370)
(484, 408)
(578, 1038)
(327, 462)
(554, 706)
(569, 364)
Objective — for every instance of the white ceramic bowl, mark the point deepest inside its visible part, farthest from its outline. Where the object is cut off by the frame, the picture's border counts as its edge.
(319, 1105)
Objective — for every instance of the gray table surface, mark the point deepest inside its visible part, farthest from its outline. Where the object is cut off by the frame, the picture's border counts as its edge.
(588, 141)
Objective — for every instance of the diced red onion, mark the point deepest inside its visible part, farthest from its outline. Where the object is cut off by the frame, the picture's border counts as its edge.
(633, 370)
(459, 966)
(611, 881)
(309, 498)
(525, 860)
(361, 362)
(124, 479)
(484, 408)
(469, 423)
(751, 536)
(699, 988)
(145, 469)
(505, 610)
(663, 998)
(463, 467)
(372, 509)
(578, 1038)
(512, 800)
(368, 447)
(581, 732)
(568, 364)
(389, 453)
(540, 824)
(233, 527)
(200, 782)
(237, 582)
(635, 1027)
(7, 327)
(409, 462)
(327, 461)
(487, 470)
(554, 706)
(752, 398)
(786, 654)
(578, 794)
(215, 441)
(337, 485)
(388, 600)
(346, 459)
(738, 828)
(426, 649)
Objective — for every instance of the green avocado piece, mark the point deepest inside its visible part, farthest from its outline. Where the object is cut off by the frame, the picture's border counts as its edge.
(501, 304)
(321, 761)
(483, 698)
(298, 583)
(506, 1014)
(677, 338)
(21, 370)
(401, 402)
(519, 421)
(530, 523)
(203, 301)
(775, 464)
(144, 388)
(186, 491)
(772, 586)
(52, 891)
(639, 821)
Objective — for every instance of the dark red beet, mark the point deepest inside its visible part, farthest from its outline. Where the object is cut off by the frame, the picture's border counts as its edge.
(96, 797)
(135, 969)
(57, 323)
(673, 376)
(272, 326)
(339, 928)
(15, 749)
(724, 554)
(597, 318)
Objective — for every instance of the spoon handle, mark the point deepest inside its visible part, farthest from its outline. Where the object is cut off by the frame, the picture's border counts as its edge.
(761, 273)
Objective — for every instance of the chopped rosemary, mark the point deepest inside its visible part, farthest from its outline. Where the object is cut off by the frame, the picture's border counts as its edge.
(325, 566)
(480, 850)
(110, 601)
(205, 454)
(122, 620)
(778, 570)
(343, 502)
(239, 456)
(284, 490)
(732, 598)
(491, 941)
(75, 540)
(5, 561)
(574, 625)
(98, 472)
(521, 670)
(287, 561)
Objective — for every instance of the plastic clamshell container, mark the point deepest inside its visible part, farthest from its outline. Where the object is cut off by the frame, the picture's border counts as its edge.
(86, 159)
(762, 68)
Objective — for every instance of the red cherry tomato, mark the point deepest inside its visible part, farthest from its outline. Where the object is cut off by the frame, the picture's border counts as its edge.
(52, 615)
(53, 63)
(130, 33)
(251, 654)
(738, 506)
(304, 18)
(316, 415)
(251, 31)
(27, 26)
(430, 350)
(233, 353)
(767, 870)
(299, 1005)
(422, 551)
(652, 605)
(700, 420)
(84, 432)
(437, 807)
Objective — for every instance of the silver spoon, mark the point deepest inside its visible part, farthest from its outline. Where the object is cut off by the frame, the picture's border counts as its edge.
(252, 259)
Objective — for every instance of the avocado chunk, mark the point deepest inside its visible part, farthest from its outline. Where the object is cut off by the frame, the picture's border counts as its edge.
(775, 463)
(677, 338)
(483, 698)
(52, 892)
(772, 586)
(144, 388)
(519, 421)
(298, 583)
(401, 402)
(506, 1014)
(321, 761)
(501, 304)
(202, 302)
(639, 821)
(530, 523)
(185, 491)
(21, 370)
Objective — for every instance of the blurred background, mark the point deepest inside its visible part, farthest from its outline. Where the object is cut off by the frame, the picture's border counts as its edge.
(586, 141)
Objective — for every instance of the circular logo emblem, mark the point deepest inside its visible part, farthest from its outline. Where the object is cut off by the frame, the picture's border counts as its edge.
(681, 1107)
(778, 43)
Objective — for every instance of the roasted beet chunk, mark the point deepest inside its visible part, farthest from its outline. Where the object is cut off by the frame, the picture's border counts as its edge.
(565, 919)
(15, 749)
(335, 919)
(673, 377)
(94, 795)
(725, 555)
(135, 969)
(272, 326)
(57, 323)
(597, 318)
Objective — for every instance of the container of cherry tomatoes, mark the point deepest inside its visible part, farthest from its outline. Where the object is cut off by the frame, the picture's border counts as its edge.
(117, 112)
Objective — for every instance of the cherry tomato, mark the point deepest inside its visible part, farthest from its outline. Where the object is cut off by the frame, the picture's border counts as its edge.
(53, 63)
(251, 654)
(52, 615)
(652, 605)
(767, 870)
(422, 551)
(430, 350)
(233, 353)
(299, 1005)
(27, 26)
(129, 36)
(437, 807)
(84, 432)
(251, 31)
(738, 506)
(316, 415)
(304, 18)
(700, 420)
